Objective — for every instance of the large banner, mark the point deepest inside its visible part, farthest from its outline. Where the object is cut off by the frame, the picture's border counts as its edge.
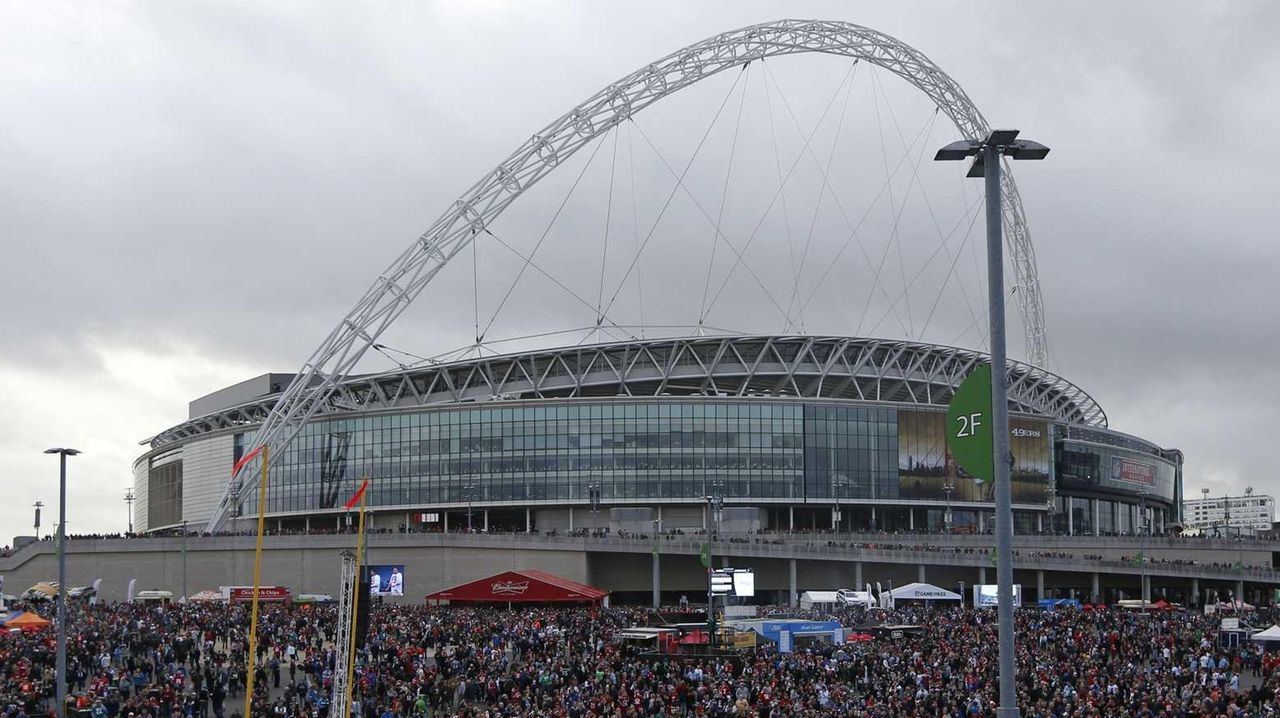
(386, 580)
(925, 465)
(1132, 472)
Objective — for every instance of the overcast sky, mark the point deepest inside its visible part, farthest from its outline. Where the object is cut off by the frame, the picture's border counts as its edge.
(195, 193)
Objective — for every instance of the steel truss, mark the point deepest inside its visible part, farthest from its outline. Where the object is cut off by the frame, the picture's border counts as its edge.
(808, 367)
(397, 287)
(346, 624)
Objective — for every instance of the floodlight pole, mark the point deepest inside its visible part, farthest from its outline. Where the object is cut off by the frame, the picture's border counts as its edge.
(987, 154)
(60, 666)
(1000, 427)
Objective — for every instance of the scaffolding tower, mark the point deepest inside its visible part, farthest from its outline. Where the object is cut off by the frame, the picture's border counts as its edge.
(346, 623)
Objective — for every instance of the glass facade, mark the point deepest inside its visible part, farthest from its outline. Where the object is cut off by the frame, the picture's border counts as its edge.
(784, 451)
(772, 451)
(554, 453)
(1088, 466)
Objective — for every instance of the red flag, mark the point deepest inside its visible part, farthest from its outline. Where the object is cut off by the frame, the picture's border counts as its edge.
(355, 498)
(244, 460)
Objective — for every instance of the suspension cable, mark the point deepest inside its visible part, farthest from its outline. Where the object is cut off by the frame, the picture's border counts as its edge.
(545, 232)
(674, 189)
(724, 197)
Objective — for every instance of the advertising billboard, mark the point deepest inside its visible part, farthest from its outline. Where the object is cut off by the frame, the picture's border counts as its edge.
(739, 582)
(926, 466)
(386, 580)
(1132, 472)
(987, 595)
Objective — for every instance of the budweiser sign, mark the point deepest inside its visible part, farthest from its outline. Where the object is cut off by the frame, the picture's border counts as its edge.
(509, 588)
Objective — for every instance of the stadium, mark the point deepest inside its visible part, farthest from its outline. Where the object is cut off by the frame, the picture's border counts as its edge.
(792, 432)
(631, 457)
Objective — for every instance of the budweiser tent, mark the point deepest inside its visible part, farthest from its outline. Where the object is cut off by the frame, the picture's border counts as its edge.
(524, 586)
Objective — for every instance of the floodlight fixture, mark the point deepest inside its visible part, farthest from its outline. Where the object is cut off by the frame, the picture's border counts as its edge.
(1005, 142)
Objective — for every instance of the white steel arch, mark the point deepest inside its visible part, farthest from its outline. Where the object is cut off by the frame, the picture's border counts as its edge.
(396, 288)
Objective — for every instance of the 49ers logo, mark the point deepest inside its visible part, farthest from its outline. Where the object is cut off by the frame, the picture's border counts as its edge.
(509, 588)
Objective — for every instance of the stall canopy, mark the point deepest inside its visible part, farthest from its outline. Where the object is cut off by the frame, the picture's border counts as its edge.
(923, 592)
(809, 599)
(523, 586)
(1268, 636)
(27, 621)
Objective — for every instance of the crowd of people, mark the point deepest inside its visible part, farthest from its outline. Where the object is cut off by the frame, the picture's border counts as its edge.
(190, 661)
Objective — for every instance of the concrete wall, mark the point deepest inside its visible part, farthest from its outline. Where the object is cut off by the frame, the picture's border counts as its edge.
(309, 565)
(433, 561)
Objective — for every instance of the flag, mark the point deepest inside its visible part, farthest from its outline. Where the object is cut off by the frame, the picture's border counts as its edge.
(1139, 559)
(355, 498)
(128, 595)
(244, 460)
(1239, 565)
(991, 555)
(705, 555)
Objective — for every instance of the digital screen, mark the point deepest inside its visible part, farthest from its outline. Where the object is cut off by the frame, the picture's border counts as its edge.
(987, 595)
(744, 584)
(386, 580)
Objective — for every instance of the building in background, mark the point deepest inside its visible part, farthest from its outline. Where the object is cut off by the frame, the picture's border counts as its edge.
(1246, 515)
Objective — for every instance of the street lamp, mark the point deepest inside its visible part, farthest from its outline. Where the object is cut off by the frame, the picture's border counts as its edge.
(987, 154)
(469, 489)
(1144, 529)
(946, 518)
(184, 559)
(715, 509)
(1204, 505)
(657, 570)
(128, 500)
(62, 576)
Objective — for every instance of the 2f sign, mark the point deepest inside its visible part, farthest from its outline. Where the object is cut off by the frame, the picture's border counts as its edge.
(969, 424)
(970, 444)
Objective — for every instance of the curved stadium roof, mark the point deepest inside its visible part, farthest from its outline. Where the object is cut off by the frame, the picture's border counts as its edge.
(848, 368)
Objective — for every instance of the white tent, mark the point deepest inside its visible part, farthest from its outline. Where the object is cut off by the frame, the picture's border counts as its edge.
(1267, 636)
(809, 599)
(856, 598)
(923, 592)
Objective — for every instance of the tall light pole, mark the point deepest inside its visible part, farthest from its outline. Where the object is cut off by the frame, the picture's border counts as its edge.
(128, 500)
(184, 559)
(1143, 589)
(946, 518)
(1204, 503)
(715, 506)
(987, 154)
(469, 489)
(62, 576)
(657, 570)
(1226, 512)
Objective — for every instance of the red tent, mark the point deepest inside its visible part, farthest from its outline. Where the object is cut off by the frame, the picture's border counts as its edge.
(523, 586)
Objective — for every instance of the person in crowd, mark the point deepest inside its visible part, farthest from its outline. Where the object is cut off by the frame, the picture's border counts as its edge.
(189, 660)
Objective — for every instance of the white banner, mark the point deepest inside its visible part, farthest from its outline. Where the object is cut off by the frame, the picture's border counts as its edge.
(128, 596)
